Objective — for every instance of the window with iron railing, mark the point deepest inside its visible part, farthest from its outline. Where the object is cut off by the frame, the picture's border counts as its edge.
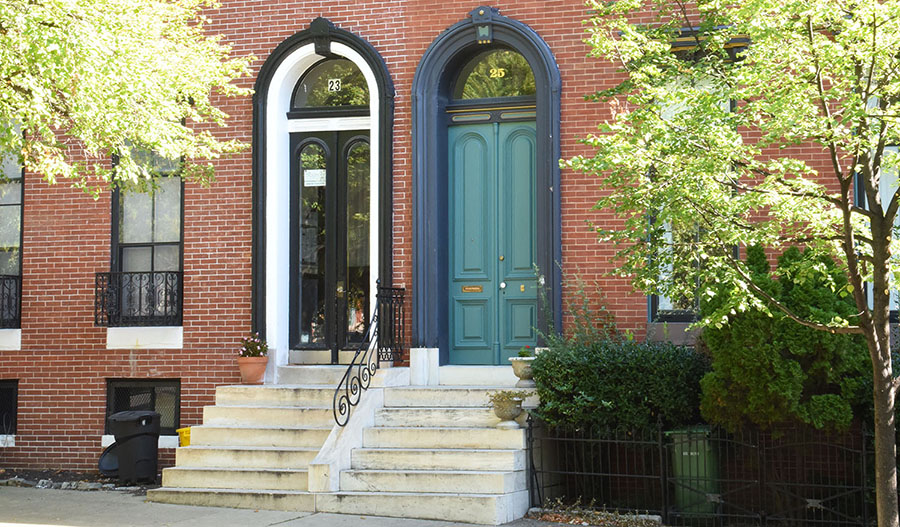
(145, 286)
(11, 189)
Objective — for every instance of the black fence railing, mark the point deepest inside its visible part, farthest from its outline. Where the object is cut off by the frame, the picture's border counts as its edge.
(10, 301)
(383, 341)
(707, 477)
(138, 299)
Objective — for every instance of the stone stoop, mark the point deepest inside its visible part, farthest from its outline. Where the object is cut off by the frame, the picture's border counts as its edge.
(254, 446)
(434, 453)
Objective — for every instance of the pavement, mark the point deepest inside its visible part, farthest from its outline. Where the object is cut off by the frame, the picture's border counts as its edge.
(33, 507)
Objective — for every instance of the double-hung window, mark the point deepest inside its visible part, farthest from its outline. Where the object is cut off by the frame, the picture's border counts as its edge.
(10, 240)
(145, 285)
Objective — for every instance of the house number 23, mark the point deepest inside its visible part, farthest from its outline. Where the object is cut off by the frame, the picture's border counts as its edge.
(334, 84)
(497, 73)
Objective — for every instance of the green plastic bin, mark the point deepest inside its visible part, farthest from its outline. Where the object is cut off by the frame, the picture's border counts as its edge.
(695, 471)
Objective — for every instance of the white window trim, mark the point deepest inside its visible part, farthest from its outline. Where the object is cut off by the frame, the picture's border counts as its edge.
(164, 441)
(145, 337)
(278, 175)
(10, 339)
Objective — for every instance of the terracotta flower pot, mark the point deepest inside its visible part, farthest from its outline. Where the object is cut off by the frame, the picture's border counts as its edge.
(253, 369)
(522, 369)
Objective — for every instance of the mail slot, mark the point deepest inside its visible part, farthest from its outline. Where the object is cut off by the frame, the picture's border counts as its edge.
(472, 289)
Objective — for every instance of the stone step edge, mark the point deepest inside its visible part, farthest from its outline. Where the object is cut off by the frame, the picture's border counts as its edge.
(232, 491)
(418, 494)
(410, 449)
(271, 407)
(252, 448)
(239, 470)
(261, 427)
(429, 471)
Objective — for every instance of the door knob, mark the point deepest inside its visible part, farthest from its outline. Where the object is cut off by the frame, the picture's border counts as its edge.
(502, 258)
(502, 285)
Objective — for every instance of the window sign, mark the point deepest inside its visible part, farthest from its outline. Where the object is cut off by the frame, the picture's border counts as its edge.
(314, 177)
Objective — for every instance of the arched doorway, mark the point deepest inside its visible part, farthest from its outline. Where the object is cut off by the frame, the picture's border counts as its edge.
(323, 107)
(486, 226)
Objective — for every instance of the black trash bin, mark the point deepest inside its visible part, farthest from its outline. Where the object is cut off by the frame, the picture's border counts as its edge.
(137, 437)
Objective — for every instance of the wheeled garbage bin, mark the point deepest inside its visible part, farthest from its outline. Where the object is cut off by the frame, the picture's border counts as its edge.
(137, 437)
(696, 471)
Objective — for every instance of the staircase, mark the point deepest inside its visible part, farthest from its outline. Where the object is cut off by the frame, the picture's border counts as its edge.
(255, 444)
(434, 453)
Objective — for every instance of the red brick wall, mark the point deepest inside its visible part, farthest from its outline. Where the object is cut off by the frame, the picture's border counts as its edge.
(63, 365)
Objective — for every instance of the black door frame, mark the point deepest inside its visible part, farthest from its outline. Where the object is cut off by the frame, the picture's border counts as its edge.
(337, 145)
(322, 33)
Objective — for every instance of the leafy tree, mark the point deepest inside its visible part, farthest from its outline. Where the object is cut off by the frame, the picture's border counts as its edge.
(815, 95)
(116, 78)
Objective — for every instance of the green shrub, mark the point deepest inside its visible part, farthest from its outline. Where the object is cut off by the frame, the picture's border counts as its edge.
(771, 371)
(618, 383)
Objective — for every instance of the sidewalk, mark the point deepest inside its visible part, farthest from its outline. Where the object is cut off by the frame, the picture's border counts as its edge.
(34, 507)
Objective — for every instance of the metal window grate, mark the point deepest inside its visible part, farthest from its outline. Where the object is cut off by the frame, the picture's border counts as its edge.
(138, 299)
(9, 395)
(161, 396)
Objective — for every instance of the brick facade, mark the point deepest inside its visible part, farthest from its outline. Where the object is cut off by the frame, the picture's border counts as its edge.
(63, 363)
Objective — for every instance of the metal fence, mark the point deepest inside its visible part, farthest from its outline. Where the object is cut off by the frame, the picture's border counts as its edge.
(708, 477)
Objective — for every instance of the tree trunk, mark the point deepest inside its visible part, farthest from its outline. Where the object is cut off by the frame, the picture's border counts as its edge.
(885, 431)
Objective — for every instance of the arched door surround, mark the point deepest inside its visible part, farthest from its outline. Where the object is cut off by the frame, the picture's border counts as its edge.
(284, 122)
(434, 79)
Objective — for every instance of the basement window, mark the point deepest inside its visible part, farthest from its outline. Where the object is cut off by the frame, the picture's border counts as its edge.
(161, 396)
(9, 402)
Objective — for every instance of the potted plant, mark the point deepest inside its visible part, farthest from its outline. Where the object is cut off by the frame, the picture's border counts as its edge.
(252, 359)
(507, 406)
(521, 366)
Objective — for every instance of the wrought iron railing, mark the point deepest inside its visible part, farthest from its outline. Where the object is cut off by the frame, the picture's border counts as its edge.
(795, 477)
(383, 341)
(10, 301)
(138, 299)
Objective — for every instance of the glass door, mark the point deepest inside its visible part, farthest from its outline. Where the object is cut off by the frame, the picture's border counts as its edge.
(330, 257)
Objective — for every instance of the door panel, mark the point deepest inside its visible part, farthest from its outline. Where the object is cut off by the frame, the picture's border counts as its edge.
(492, 225)
(329, 239)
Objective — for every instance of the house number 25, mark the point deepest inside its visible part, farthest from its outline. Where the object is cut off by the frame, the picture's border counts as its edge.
(334, 84)
(497, 73)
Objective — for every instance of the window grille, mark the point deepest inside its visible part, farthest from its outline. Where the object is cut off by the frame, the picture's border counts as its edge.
(161, 396)
(9, 395)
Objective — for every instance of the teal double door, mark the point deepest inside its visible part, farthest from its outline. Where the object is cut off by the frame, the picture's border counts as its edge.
(492, 241)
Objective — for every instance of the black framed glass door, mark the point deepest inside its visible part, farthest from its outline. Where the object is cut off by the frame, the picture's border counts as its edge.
(330, 257)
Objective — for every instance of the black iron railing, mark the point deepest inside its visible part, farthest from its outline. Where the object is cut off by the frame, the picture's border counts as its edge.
(138, 299)
(792, 477)
(383, 341)
(10, 301)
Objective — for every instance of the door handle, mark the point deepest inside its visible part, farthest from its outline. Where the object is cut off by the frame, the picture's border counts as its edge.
(502, 285)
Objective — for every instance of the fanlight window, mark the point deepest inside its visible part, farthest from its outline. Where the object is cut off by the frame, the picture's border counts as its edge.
(495, 73)
(332, 83)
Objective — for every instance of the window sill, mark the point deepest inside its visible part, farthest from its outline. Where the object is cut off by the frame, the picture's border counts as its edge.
(160, 337)
(164, 441)
(10, 339)
(7, 440)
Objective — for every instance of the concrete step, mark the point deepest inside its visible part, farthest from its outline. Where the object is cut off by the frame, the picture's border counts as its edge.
(445, 396)
(235, 478)
(244, 457)
(267, 416)
(490, 376)
(437, 417)
(432, 481)
(431, 459)
(468, 508)
(319, 357)
(208, 435)
(275, 395)
(304, 375)
(478, 438)
(279, 500)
